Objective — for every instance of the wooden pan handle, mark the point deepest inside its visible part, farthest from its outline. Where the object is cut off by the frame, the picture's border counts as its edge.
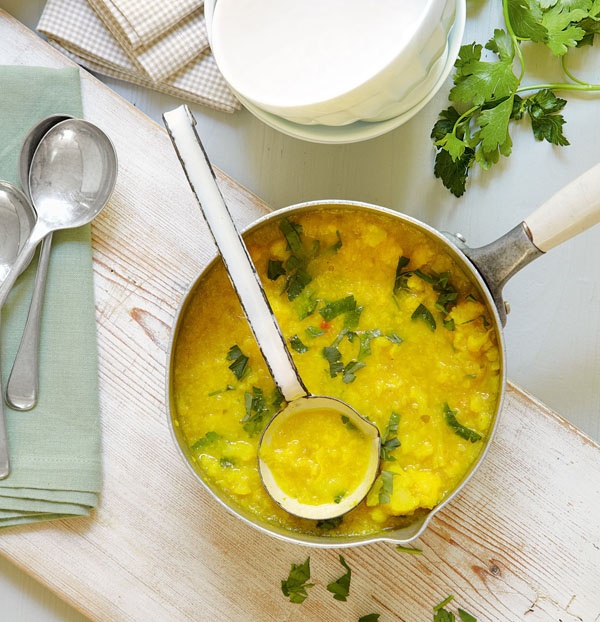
(573, 209)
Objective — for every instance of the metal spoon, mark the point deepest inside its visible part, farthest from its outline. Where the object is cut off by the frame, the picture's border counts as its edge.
(180, 125)
(73, 174)
(17, 219)
(22, 385)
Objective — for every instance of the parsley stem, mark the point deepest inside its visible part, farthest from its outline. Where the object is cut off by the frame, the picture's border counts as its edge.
(560, 86)
(563, 63)
(513, 36)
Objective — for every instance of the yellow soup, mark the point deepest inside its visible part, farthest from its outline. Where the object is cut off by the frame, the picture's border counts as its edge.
(317, 456)
(377, 314)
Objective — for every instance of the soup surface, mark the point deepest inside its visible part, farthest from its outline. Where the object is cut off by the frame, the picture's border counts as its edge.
(376, 313)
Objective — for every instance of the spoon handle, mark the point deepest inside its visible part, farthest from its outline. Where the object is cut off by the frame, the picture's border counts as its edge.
(23, 382)
(20, 262)
(180, 125)
(4, 453)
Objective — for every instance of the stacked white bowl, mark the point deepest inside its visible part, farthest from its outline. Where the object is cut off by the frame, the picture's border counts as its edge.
(332, 62)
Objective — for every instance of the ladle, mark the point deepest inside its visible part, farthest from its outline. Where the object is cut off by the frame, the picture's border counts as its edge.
(73, 174)
(17, 219)
(22, 385)
(180, 124)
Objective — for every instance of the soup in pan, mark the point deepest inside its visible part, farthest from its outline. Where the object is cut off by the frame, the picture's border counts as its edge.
(376, 313)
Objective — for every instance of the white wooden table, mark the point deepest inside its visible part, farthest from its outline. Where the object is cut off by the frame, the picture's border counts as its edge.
(553, 334)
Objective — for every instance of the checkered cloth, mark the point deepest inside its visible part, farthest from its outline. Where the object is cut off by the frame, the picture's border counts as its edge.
(178, 63)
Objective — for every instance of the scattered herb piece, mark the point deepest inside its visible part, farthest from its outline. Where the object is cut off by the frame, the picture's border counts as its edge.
(387, 486)
(332, 309)
(423, 313)
(350, 371)
(239, 366)
(295, 269)
(365, 338)
(229, 387)
(449, 324)
(488, 93)
(461, 430)
(335, 247)
(226, 462)
(441, 614)
(341, 587)
(409, 550)
(346, 421)
(257, 410)
(275, 269)
(297, 345)
(338, 498)
(400, 281)
(330, 523)
(394, 338)
(333, 357)
(207, 439)
(313, 331)
(370, 617)
(389, 440)
(295, 586)
(305, 304)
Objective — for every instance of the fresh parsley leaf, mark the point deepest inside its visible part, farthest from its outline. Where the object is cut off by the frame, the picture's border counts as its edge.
(466, 617)
(442, 604)
(332, 309)
(297, 345)
(459, 429)
(333, 357)
(239, 366)
(350, 371)
(401, 275)
(341, 587)
(387, 486)
(424, 314)
(275, 269)
(454, 173)
(256, 411)
(365, 338)
(370, 617)
(409, 550)
(295, 586)
(526, 19)
(330, 523)
(313, 331)
(545, 122)
(226, 462)
(208, 439)
(305, 303)
(389, 440)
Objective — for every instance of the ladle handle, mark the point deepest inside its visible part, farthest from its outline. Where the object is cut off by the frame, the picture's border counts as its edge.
(181, 127)
(4, 450)
(573, 209)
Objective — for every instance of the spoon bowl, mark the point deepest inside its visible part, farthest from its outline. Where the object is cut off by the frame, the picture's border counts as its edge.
(17, 219)
(180, 125)
(73, 174)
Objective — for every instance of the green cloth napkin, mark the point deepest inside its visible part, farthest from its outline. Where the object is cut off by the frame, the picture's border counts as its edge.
(54, 448)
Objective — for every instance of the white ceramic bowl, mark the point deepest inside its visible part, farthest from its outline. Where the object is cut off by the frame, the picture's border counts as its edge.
(333, 63)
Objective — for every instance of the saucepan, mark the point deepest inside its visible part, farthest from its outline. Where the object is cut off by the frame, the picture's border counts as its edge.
(569, 212)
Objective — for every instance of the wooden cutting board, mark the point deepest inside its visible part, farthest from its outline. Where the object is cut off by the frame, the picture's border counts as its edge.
(522, 542)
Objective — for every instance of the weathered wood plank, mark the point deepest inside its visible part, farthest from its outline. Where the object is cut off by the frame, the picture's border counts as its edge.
(520, 543)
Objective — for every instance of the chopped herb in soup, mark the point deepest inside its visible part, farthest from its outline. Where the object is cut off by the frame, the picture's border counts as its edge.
(375, 313)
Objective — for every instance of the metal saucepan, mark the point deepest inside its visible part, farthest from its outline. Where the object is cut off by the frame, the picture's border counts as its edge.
(569, 212)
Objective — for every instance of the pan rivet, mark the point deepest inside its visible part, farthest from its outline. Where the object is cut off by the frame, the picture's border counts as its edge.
(461, 237)
(506, 307)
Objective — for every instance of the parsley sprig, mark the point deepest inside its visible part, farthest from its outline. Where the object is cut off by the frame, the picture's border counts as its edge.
(295, 586)
(489, 94)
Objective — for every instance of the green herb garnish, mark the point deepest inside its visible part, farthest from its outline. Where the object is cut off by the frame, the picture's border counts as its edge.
(387, 486)
(239, 365)
(341, 587)
(489, 95)
(394, 338)
(208, 439)
(229, 387)
(313, 331)
(350, 371)
(226, 462)
(365, 338)
(332, 309)
(400, 282)
(409, 550)
(330, 523)
(295, 586)
(389, 440)
(370, 617)
(333, 357)
(275, 269)
(338, 498)
(297, 345)
(424, 314)
(441, 614)
(459, 429)
(346, 421)
(256, 411)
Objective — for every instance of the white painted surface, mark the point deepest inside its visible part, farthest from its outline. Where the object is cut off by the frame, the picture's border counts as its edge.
(553, 333)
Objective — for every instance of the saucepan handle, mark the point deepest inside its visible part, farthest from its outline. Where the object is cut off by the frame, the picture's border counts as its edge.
(571, 210)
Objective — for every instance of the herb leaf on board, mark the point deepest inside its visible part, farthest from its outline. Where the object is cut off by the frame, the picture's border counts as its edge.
(295, 586)
(340, 588)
